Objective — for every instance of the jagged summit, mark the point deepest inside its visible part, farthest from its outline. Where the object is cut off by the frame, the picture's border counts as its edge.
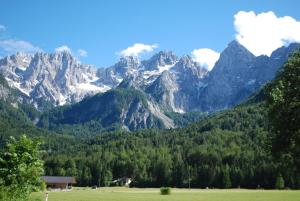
(161, 59)
(57, 77)
(187, 61)
(127, 60)
(167, 54)
(236, 49)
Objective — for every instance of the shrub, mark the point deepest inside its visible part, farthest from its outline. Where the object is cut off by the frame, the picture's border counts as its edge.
(12, 194)
(43, 186)
(165, 190)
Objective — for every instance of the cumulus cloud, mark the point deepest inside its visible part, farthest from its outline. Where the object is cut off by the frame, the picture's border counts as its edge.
(63, 48)
(205, 57)
(12, 46)
(2, 27)
(137, 49)
(263, 33)
(82, 53)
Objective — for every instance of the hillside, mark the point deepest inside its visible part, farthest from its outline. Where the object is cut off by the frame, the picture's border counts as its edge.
(225, 146)
(125, 108)
(17, 116)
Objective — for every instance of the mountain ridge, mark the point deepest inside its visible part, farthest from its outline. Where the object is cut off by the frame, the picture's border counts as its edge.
(167, 83)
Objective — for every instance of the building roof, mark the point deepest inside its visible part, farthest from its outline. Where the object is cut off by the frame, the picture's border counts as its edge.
(58, 180)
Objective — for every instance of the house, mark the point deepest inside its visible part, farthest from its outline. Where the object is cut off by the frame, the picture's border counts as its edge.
(55, 182)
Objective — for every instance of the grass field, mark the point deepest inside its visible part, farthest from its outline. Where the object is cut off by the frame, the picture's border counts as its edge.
(134, 194)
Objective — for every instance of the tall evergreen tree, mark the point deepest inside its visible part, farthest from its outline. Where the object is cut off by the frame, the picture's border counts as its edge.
(284, 110)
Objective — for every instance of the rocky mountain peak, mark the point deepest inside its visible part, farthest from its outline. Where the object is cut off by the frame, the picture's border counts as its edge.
(161, 59)
(20, 60)
(62, 55)
(282, 51)
(234, 58)
(188, 67)
(187, 61)
(129, 61)
(25, 58)
(234, 48)
(238, 74)
(127, 66)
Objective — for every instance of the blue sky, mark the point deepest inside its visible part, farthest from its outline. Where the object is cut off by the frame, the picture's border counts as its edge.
(101, 29)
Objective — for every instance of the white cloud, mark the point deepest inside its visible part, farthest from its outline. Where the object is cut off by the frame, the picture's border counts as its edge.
(205, 57)
(263, 33)
(77, 54)
(12, 46)
(137, 49)
(82, 53)
(2, 27)
(63, 48)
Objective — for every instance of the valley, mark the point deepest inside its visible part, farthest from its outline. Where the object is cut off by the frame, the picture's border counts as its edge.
(127, 132)
(149, 100)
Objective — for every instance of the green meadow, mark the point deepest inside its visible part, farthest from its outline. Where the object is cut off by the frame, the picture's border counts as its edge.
(152, 194)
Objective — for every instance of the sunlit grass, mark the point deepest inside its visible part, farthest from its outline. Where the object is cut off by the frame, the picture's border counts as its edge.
(152, 194)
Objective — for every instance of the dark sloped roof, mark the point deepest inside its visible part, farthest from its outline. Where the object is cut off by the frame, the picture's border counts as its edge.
(59, 180)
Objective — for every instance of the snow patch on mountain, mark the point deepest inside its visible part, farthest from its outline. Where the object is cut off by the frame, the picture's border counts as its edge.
(91, 87)
(17, 85)
(21, 68)
(160, 69)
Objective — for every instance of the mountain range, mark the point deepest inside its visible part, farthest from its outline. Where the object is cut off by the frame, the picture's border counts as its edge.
(134, 94)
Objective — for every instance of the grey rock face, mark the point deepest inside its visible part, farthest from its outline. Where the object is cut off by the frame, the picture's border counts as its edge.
(227, 79)
(190, 77)
(163, 58)
(114, 75)
(163, 90)
(12, 67)
(187, 69)
(238, 74)
(11, 95)
(175, 89)
(140, 116)
(56, 78)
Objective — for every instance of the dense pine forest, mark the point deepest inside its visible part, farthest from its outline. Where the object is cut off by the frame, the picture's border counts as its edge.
(223, 151)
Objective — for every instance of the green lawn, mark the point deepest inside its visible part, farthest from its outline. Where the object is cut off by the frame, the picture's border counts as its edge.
(134, 194)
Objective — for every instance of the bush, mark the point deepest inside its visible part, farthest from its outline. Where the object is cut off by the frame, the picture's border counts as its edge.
(165, 190)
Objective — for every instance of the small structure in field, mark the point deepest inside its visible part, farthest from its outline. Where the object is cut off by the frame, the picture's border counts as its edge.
(54, 182)
(124, 181)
